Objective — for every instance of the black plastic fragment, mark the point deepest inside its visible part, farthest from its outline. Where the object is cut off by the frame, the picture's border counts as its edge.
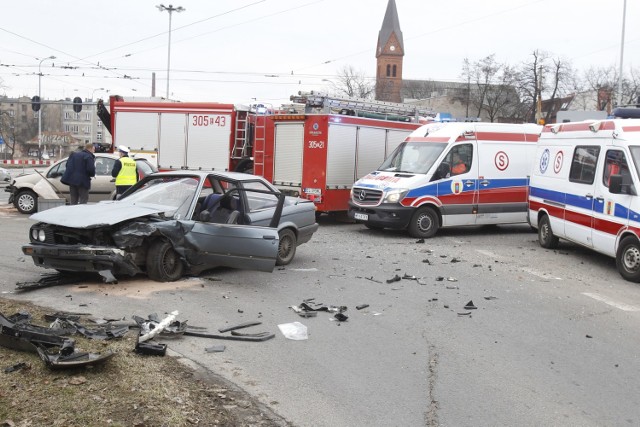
(361, 306)
(341, 317)
(16, 367)
(151, 349)
(240, 326)
(395, 278)
(470, 306)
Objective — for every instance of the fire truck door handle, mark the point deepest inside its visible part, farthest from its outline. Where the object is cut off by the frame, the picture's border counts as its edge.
(484, 182)
(468, 183)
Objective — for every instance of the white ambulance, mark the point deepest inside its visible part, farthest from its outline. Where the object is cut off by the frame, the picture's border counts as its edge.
(584, 188)
(446, 175)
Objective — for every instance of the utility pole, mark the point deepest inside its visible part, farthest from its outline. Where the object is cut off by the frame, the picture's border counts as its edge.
(624, 17)
(40, 109)
(169, 9)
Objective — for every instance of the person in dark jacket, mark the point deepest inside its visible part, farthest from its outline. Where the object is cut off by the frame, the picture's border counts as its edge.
(81, 167)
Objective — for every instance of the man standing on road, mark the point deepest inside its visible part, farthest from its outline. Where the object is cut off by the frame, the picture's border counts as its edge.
(81, 167)
(124, 171)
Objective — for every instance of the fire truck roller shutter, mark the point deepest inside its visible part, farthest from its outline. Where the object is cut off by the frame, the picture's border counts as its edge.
(173, 144)
(371, 147)
(341, 156)
(287, 162)
(138, 131)
(394, 138)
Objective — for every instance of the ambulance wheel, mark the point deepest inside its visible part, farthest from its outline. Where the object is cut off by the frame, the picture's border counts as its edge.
(628, 259)
(164, 263)
(424, 223)
(545, 235)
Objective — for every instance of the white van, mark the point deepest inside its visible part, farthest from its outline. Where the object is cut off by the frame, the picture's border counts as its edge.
(446, 175)
(584, 188)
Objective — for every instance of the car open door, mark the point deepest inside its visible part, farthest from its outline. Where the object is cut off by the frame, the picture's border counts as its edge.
(237, 244)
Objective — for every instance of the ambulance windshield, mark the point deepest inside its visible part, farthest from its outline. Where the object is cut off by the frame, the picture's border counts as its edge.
(635, 153)
(413, 157)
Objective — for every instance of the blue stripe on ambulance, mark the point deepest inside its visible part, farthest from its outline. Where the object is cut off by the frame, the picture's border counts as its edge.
(445, 186)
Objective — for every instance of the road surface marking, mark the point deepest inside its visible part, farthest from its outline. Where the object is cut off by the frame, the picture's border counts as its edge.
(619, 305)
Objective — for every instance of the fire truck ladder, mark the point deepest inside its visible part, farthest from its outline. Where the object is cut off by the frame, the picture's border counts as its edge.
(259, 144)
(319, 100)
(240, 148)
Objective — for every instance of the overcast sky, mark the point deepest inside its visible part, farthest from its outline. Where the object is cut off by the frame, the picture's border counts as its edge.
(237, 50)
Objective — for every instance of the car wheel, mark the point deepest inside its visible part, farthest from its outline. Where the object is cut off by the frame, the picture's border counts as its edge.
(286, 247)
(26, 201)
(628, 259)
(545, 234)
(164, 263)
(424, 223)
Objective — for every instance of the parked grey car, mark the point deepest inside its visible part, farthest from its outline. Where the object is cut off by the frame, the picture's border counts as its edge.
(175, 223)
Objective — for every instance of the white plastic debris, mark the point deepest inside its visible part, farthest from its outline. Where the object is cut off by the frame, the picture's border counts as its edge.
(159, 327)
(294, 331)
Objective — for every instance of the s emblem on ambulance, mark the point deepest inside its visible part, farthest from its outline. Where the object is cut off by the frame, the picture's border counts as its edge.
(362, 195)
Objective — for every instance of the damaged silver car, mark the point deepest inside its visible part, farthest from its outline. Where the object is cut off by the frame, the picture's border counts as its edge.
(175, 223)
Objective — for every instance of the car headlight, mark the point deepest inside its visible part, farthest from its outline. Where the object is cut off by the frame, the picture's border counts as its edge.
(394, 196)
(38, 235)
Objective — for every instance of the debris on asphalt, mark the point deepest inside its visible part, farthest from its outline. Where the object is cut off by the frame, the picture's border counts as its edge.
(439, 279)
(453, 287)
(468, 313)
(470, 306)
(361, 306)
(589, 336)
(490, 298)
(426, 261)
(53, 279)
(152, 328)
(372, 279)
(409, 277)
(108, 277)
(454, 260)
(239, 326)
(341, 317)
(395, 278)
(452, 279)
(215, 349)
(151, 349)
(420, 241)
(294, 331)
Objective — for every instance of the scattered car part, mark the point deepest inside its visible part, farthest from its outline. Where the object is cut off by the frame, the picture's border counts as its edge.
(16, 367)
(341, 317)
(470, 306)
(158, 327)
(151, 349)
(239, 326)
(294, 331)
(361, 306)
(53, 279)
(268, 336)
(395, 278)
(215, 349)
(62, 360)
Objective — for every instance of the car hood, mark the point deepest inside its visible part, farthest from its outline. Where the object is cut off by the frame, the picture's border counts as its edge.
(95, 215)
(391, 180)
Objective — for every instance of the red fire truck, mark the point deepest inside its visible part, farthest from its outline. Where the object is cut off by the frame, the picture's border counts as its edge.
(316, 151)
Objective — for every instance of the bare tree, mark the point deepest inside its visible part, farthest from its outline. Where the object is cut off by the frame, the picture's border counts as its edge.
(352, 84)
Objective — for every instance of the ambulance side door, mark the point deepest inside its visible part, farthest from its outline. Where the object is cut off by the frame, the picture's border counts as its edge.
(580, 197)
(612, 211)
(458, 191)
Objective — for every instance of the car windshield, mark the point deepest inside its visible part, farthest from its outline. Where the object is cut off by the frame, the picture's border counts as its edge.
(173, 194)
(413, 157)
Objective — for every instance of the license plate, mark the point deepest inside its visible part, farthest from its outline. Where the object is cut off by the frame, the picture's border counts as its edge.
(360, 216)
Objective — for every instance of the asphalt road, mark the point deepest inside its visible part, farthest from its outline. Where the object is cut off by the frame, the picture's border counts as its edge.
(553, 340)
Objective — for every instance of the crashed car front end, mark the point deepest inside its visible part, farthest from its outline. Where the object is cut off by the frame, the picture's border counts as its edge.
(80, 250)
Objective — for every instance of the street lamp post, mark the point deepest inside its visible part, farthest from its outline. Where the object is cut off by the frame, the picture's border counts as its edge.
(624, 18)
(169, 9)
(94, 91)
(40, 109)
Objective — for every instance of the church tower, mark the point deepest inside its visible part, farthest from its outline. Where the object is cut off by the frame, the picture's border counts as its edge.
(389, 54)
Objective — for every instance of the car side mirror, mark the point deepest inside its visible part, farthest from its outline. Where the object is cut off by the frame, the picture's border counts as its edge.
(204, 216)
(615, 184)
(442, 171)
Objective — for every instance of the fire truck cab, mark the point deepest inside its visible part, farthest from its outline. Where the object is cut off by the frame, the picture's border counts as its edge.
(446, 175)
(584, 188)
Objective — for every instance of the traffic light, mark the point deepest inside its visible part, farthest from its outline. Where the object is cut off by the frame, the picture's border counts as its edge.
(77, 104)
(35, 103)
